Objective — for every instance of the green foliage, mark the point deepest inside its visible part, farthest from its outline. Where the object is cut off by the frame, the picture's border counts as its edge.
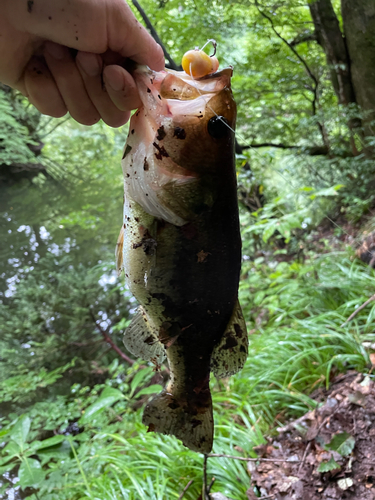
(71, 412)
(343, 443)
(107, 453)
(328, 465)
(296, 210)
(112, 455)
(14, 136)
(17, 388)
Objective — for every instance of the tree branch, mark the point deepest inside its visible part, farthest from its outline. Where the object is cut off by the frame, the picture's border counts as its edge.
(55, 127)
(244, 459)
(311, 151)
(314, 89)
(108, 339)
(309, 72)
(267, 145)
(172, 64)
(185, 489)
(306, 36)
(358, 310)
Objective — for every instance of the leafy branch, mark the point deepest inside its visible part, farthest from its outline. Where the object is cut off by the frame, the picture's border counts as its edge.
(171, 63)
(315, 87)
(306, 36)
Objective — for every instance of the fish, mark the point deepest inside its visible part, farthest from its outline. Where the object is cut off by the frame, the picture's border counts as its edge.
(180, 245)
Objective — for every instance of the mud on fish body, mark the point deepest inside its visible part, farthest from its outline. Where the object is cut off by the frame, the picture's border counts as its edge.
(180, 244)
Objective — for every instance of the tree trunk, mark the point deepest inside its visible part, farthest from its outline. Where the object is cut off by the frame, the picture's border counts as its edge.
(329, 36)
(359, 27)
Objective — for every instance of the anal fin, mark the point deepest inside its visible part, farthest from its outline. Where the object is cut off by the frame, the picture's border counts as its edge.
(230, 354)
(141, 339)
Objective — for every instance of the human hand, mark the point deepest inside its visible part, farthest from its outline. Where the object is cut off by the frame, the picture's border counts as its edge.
(36, 42)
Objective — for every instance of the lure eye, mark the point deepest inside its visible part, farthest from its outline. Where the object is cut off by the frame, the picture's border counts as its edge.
(197, 63)
(218, 127)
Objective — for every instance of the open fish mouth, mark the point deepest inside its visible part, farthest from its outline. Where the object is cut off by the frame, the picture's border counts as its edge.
(175, 98)
(177, 134)
(171, 93)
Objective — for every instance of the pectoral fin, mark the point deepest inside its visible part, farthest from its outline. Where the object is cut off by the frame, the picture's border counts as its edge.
(141, 339)
(230, 354)
(118, 251)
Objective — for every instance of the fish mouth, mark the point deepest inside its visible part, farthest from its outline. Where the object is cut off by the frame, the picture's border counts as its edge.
(170, 93)
(181, 86)
(182, 134)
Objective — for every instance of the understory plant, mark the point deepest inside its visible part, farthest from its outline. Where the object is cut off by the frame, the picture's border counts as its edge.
(90, 442)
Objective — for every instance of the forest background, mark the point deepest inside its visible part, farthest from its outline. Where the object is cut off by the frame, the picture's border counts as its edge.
(71, 397)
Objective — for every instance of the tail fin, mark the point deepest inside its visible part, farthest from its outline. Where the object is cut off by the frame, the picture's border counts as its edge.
(167, 415)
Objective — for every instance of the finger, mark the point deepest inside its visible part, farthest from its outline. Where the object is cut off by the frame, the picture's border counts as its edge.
(121, 88)
(128, 37)
(41, 89)
(88, 26)
(70, 84)
(90, 68)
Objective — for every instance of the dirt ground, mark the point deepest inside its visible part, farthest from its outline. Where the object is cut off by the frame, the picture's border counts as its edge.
(329, 453)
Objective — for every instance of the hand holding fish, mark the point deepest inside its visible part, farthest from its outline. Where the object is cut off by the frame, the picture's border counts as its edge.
(55, 52)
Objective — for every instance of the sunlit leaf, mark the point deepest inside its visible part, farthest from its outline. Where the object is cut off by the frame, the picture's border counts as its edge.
(151, 389)
(107, 398)
(328, 466)
(30, 473)
(21, 430)
(46, 443)
(343, 443)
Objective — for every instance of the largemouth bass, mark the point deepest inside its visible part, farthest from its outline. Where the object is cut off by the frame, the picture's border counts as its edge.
(180, 245)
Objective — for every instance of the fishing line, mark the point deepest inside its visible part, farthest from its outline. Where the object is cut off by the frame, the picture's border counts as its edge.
(214, 43)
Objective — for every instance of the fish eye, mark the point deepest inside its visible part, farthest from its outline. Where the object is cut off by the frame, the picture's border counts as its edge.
(218, 127)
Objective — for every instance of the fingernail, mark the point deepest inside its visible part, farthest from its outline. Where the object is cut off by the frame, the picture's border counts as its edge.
(89, 63)
(114, 79)
(55, 50)
(161, 60)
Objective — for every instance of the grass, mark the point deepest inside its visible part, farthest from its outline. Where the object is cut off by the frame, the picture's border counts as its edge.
(294, 312)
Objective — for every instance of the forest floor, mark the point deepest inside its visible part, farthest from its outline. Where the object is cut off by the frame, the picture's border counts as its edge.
(329, 453)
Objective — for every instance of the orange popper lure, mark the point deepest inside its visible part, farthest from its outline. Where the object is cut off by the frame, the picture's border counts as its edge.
(180, 244)
(197, 63)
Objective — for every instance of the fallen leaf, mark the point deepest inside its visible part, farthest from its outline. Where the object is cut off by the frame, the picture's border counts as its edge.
(346, 483)
(357, 398)
(328, 466)
(202, 256)
(218, 496)
(251, 467)
(367, 381)
(283, 487)
(343, 443)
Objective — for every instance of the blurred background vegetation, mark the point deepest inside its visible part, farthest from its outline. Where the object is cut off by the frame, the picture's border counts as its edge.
(70, 404)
